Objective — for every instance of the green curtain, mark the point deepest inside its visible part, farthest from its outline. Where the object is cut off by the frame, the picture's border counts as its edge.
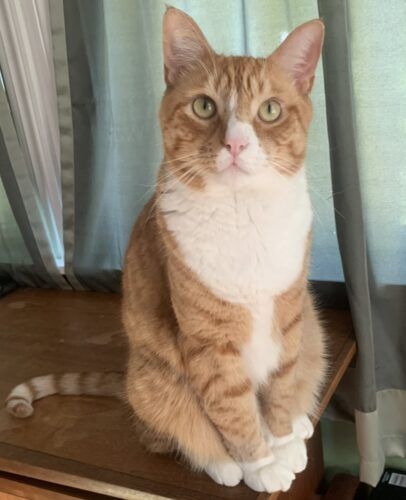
(365, 94)
(12, 247)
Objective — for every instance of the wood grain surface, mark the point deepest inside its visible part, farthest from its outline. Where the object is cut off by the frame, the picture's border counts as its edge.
(85, 442)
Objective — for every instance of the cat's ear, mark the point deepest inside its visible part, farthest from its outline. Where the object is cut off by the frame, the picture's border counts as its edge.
(299, 53)
(183, 41)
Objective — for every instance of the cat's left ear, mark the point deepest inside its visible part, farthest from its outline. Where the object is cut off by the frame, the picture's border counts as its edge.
(299, 54)
(184, 43)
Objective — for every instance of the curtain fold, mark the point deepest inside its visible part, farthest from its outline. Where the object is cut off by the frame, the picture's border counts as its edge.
(33, 263)
(65, 125)
(13, 251)
(26, 65)
(31, 210)
(349, 217)
(366, 108)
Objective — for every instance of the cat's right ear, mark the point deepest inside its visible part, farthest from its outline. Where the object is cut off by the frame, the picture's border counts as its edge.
(183, 43)
(299, 53)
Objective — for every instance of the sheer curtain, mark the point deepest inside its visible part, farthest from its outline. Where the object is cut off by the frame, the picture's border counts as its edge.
(30, 130)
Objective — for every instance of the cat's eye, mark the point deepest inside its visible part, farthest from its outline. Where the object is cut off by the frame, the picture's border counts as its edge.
(204, 107)
(270, 110)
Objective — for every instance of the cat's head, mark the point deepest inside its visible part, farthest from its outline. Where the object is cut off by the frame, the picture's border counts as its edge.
(235, 121)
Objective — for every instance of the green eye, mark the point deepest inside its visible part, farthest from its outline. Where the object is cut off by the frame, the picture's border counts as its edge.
(204, 107)
(270, 110)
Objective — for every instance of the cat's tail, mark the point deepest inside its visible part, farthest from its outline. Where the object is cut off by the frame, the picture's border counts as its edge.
(19, 401)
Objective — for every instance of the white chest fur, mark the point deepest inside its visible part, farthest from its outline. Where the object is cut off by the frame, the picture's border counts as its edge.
(247, 246)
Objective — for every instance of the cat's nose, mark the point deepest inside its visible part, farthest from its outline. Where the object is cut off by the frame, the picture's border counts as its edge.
(235, 145)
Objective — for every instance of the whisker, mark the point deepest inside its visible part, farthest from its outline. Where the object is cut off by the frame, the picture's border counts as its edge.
(335, 193)
(314, 208)
(282, 167)
(292, 164)
(162, 179)
(167, 174)
(174, 169)
(325, 201)
(169, 187)
(172, 160)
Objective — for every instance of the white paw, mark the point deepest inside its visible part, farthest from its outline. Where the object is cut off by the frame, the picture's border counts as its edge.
(302, 427)
(226, 473)
(270, 478)
(292, 455)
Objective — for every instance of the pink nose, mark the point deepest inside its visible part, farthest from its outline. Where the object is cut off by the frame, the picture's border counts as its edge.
(235, 146)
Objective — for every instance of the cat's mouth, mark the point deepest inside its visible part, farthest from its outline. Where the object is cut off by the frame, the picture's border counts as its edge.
(234, 167)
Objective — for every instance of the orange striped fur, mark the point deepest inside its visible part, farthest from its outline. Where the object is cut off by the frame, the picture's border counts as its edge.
(19, 401)
(187, 377)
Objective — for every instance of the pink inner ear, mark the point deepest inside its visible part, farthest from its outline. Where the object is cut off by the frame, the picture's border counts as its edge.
(298, 55)
(183, 41)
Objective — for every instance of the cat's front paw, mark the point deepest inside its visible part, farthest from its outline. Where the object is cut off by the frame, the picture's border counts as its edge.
(292, 455)
(302, 427)
(270, 478)
(225, 473)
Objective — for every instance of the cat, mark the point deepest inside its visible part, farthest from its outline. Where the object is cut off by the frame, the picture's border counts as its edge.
(226, 351)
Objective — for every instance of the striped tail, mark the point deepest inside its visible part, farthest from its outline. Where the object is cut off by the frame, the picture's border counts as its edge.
(19, 401)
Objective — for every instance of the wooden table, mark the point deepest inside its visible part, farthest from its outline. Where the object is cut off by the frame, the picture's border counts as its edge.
(84, 447)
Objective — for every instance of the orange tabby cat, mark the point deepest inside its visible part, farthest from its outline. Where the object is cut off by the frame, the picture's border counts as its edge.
(226, 351)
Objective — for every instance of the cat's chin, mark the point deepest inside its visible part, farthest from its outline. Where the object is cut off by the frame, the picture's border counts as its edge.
(233, 178)
(238, 179)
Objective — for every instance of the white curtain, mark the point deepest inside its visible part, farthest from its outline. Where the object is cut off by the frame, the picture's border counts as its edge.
(26, 62)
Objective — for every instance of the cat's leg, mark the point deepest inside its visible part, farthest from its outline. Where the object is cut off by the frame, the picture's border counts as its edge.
(277, 402)
(172, 419)
(310, 373)
(278, 395)
(285, 437)
(291, 394)
(231, 404)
